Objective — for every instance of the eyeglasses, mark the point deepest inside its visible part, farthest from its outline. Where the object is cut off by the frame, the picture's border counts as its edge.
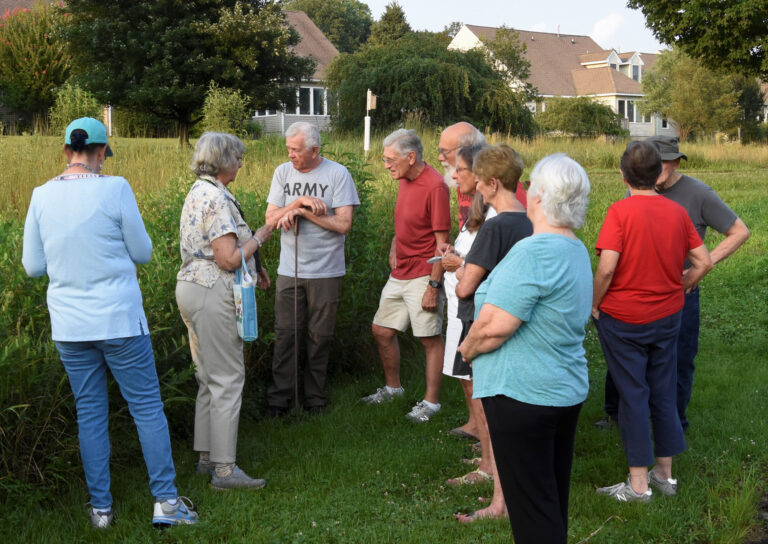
(387, 161)
(441, 151)
(462, 169)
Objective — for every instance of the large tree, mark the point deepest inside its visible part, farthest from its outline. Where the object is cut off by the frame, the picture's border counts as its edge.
(346, 23)
(418, 77)
(159, 56)
(33, 62)
(694, 97)
(729, 34)
(506, 52)
(391, 26)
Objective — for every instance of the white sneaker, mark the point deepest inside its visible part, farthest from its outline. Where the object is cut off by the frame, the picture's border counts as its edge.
(422, 412)
(383, 394)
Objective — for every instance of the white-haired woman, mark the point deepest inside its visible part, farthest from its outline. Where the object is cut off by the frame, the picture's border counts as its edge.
(213, 234)
(526, 348)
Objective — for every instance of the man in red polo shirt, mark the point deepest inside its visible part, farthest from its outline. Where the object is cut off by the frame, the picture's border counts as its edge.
(414, 292)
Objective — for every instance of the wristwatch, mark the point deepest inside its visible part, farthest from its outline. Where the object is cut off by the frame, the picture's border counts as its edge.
(435, 284)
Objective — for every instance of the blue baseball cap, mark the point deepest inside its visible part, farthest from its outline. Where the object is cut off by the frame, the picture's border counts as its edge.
(94, 129)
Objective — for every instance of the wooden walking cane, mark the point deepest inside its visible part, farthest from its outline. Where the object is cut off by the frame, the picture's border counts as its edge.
(296, 317)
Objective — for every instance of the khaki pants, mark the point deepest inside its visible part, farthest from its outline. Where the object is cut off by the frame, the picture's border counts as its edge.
(217, 352)
(317, 301)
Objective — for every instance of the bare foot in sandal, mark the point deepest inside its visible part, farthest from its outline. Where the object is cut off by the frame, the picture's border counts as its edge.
(474, 461)
(491, 512)
(474, 477)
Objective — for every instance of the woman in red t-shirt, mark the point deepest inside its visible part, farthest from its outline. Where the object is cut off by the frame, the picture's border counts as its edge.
(638, 296)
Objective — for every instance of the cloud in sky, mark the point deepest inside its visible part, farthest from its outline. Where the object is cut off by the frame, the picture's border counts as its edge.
(605, 30)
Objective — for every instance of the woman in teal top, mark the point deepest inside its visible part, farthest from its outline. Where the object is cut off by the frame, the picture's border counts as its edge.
(528, 359)
(84, 230)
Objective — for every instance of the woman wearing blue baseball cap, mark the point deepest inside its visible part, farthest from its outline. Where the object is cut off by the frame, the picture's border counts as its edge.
(84, 230)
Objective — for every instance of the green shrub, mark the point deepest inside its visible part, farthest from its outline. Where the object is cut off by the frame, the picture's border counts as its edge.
(134, 124)
(72, 102)
(225, 110)
(254, 129)
(580, 116)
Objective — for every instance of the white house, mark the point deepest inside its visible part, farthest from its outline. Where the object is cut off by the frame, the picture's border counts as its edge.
(312, 95)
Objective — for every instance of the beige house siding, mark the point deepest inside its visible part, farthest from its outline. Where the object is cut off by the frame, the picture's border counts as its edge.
(569, 65)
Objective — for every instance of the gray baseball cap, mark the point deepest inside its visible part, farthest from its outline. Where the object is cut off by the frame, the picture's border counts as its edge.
(667, 146)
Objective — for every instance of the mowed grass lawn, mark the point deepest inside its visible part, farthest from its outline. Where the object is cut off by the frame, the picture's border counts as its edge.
(365, 474)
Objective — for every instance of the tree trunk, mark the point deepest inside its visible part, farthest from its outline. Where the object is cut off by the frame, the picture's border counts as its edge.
(183, 133)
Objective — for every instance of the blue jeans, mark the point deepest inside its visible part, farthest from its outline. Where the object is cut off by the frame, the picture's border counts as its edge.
(642, 363)
(132, 364)
(687, 348)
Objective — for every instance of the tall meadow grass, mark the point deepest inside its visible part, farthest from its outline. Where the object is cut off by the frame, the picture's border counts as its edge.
(38, 437)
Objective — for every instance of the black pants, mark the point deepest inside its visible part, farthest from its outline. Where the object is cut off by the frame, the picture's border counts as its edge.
(533, 446)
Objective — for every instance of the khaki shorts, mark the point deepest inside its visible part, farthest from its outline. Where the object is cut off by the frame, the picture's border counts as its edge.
(400, 304)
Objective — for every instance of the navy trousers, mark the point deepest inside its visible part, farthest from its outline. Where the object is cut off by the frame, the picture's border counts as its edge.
(687, 348)
(642, 360)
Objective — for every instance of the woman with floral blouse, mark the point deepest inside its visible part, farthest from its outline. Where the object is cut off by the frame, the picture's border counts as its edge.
(214, 234)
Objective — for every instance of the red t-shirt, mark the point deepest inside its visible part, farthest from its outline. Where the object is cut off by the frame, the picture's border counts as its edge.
(423, 207)
(653, 236)
(465, 202)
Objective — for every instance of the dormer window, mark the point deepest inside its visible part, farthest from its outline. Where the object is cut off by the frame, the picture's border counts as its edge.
(636, 73)
(615, 66)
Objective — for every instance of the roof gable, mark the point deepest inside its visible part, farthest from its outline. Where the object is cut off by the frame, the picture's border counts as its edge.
(552, 57)
(604, 81)
(313, 42)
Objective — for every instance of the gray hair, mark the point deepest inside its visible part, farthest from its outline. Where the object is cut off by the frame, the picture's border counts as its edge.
(473, 138)
(310, 132)
(216, 152)
(404, 141)
(563, 186)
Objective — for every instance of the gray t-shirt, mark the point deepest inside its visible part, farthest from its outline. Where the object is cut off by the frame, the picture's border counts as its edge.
(321, 251)
(704, 206)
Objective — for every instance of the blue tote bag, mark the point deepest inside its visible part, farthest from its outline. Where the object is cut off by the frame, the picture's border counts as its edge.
(244, 290)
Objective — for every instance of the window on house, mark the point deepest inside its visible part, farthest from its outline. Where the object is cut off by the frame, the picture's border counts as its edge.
(636, 73)
(614, 66)
(630, 111)
(664, 123)
(318, 107)
(647, 118)
(304, 99)
(622, 108)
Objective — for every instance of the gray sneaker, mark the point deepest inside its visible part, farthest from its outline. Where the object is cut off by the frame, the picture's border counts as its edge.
(606, 423)
(238, 479)
(421, 412)
(666, 487)
(382, 394)
(623, 492)
(101, 519)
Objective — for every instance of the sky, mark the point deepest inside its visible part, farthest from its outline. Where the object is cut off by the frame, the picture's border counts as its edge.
(609, 22)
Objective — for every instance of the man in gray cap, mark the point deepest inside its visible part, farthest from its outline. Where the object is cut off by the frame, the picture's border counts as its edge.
(706, 209)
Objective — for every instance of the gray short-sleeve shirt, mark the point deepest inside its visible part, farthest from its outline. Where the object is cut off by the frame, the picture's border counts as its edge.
(321, 251)
(704, 206)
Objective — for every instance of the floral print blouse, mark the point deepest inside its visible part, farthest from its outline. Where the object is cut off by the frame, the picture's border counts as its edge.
(210, 211)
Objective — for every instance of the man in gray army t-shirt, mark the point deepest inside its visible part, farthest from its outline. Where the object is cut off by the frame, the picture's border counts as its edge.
(323, 194)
